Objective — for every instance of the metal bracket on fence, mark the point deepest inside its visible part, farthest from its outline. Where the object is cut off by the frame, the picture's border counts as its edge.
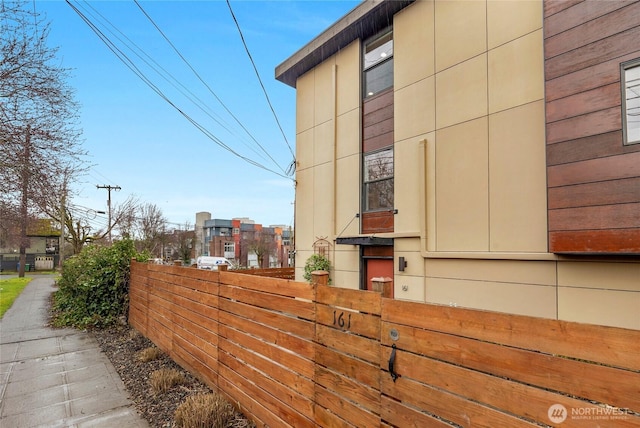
(392, 362)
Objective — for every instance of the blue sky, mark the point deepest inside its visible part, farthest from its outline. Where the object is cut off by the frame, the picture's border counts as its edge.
(137, 141)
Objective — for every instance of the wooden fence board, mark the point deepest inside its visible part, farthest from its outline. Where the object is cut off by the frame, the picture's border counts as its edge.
(327, 419)
(198, 347)
(363, 301)
(355, 415)
(276, 370)
(295, 362)
(359, 323)
(237, 393)
(364, 395)
(199, 363)
(204, 327)
(283, 273)
(353, 368)
(615, 346)
(284, 304)
(293, 325)
(160, 334)
(510, 397)
(547, 371)
(282, 415)
(205, 298)
(272, 334)
(203, 309)
(444, 404)
(358, 346)
(300, 290)
(299, 406)
(397, 414)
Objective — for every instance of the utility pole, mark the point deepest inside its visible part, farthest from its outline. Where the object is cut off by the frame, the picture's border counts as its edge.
(109, 188)
(63, 221)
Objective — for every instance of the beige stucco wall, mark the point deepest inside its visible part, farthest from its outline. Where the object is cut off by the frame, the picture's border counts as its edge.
(327, 152)
(470, 175)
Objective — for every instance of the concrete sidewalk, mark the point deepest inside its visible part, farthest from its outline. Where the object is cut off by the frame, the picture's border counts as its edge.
(56, 377)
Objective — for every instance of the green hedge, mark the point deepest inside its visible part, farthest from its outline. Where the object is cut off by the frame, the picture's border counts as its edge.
(93, 290)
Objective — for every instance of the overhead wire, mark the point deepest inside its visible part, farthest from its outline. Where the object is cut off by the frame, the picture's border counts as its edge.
(131, 65)
(206, 85)
(139, 52)
(246, 48)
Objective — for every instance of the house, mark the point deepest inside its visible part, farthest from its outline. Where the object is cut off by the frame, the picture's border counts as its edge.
(482, 154)
(42, 252)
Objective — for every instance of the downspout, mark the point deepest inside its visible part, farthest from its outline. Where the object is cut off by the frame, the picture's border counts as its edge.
(423, 188)
(334, 159)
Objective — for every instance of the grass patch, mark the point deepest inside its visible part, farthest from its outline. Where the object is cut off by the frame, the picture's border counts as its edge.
(204, 411)
(164, 379)
(9, 290)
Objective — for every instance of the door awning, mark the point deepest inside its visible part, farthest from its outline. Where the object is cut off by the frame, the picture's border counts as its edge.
(365, 240)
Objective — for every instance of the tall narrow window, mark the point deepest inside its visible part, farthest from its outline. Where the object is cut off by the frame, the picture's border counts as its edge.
(378, 180)
(378, 64)
(631, 101)
(377, 134)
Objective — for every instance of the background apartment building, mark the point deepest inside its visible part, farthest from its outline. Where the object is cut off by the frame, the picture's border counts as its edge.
(244, 242)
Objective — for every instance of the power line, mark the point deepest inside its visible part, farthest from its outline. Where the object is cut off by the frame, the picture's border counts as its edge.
(127, 61)
(139, 52)
(206, 85)
(260, 80)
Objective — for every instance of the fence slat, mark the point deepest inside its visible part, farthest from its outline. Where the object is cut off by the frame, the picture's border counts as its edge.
(526, 366)
(615, 346)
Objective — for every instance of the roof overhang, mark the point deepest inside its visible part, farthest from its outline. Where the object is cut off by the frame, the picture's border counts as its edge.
(365, 240)
(365, 20)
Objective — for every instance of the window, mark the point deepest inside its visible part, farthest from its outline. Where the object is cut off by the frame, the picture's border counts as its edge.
(229, 247)
(378, 64)
(378, 180)
(631, 101)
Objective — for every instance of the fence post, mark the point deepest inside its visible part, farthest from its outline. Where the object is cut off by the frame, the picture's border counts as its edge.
(222, 268)
(383, 285)
(320, 277)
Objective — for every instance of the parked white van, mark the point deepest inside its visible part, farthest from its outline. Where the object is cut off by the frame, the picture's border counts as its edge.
(208, 262)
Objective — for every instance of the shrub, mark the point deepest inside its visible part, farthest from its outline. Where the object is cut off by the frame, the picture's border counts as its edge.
(148, 354)
(204, 411)
(316, 262)
(164, 379)
(93, 290)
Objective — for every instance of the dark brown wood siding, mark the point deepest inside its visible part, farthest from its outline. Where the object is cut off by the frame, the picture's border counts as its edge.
(377, 133)
(377, 122)
(593, 178)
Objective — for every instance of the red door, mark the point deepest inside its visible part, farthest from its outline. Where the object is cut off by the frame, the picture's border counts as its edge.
(377, 268)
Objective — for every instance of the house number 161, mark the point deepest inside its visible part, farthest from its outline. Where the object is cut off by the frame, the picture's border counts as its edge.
(340, 320)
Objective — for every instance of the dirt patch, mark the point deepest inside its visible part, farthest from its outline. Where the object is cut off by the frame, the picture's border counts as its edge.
(121, 345)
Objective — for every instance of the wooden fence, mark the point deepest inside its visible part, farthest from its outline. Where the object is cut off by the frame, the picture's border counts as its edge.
(291, 354)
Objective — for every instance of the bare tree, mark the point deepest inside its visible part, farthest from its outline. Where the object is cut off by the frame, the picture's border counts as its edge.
(183, 243)
(151, 225)
(263, 245)
(39, 137)
(77, 230)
